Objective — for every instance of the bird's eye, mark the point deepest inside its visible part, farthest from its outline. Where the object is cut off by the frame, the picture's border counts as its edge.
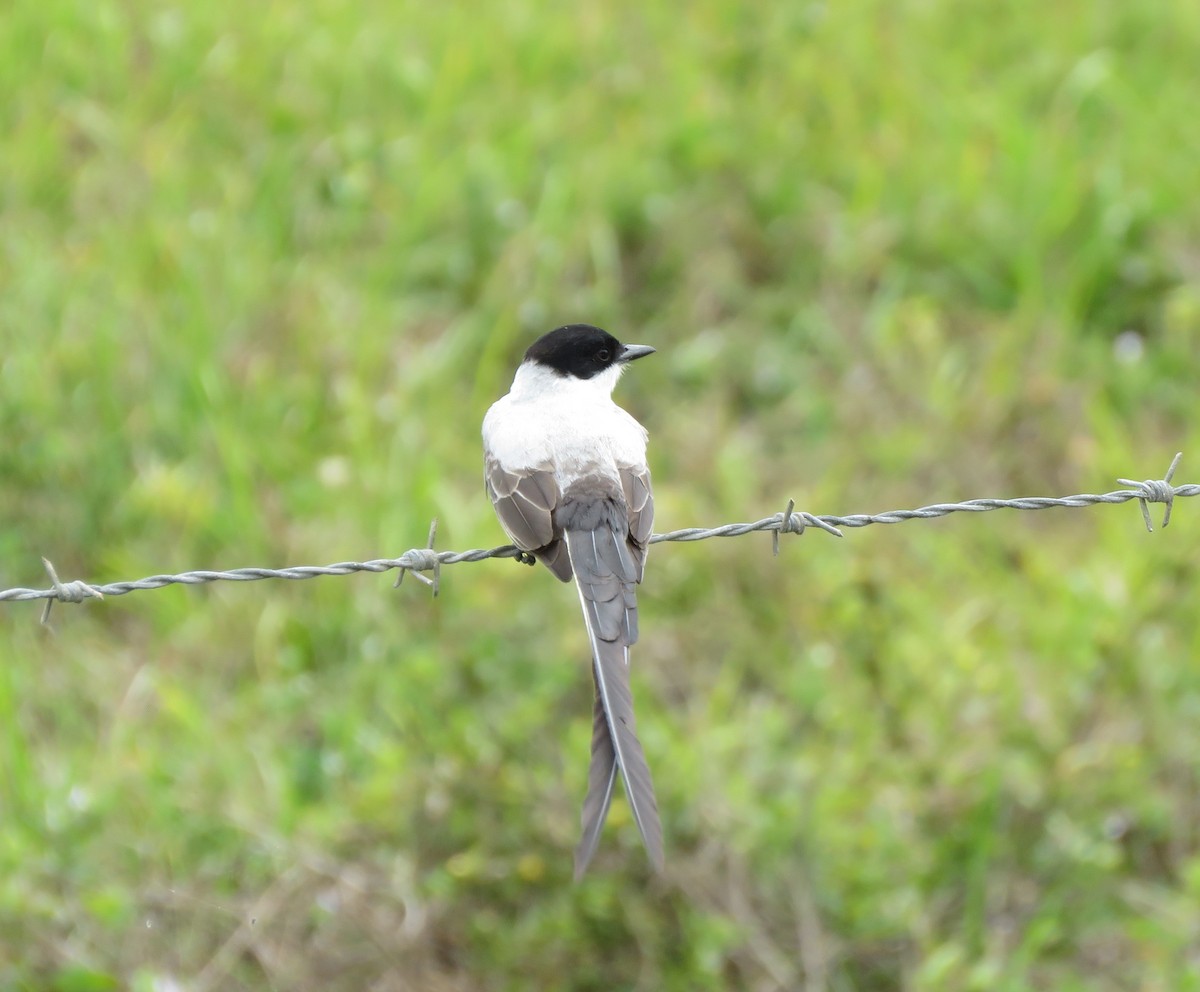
(602, 355)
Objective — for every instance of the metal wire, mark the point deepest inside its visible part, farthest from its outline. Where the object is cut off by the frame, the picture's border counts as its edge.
(422, 560)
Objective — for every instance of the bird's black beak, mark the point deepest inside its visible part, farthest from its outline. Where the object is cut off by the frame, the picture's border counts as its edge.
(631, 351)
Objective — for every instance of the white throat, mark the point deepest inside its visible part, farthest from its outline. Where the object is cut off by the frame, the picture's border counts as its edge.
(535, 381)
(559, 422)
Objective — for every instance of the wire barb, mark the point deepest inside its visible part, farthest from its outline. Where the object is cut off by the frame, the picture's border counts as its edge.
(421, 560)
(68, 592)
(1156, 491)
(796, 523)
(426, 559)
(787, 525)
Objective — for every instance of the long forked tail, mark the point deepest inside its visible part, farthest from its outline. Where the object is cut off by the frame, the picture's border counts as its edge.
(605, 577)
(602, 779)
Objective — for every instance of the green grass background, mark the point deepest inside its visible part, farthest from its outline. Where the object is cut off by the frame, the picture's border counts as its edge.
(262, 269)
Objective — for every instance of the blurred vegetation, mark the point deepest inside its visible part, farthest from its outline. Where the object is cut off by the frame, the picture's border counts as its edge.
(263, 268)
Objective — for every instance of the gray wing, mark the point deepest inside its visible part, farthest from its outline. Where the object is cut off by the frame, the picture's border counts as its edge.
(607, 566)
(525, 501)
(639, 498)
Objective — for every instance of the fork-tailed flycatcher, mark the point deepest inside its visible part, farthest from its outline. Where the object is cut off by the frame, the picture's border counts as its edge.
(566, 470)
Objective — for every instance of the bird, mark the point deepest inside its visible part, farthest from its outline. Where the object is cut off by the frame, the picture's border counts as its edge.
(566, 471)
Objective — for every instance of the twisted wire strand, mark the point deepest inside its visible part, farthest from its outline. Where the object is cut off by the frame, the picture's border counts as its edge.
(422, 560)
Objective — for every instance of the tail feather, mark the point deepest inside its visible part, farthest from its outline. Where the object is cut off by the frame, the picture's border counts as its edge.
(602, 778)
(610, 612)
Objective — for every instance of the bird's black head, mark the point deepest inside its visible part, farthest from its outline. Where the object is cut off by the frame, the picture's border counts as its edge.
(582, 351)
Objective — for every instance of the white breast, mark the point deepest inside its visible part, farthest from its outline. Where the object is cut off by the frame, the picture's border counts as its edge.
(570, 425)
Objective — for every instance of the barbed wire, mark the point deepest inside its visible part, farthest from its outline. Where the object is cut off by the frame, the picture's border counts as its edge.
(421, 560)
